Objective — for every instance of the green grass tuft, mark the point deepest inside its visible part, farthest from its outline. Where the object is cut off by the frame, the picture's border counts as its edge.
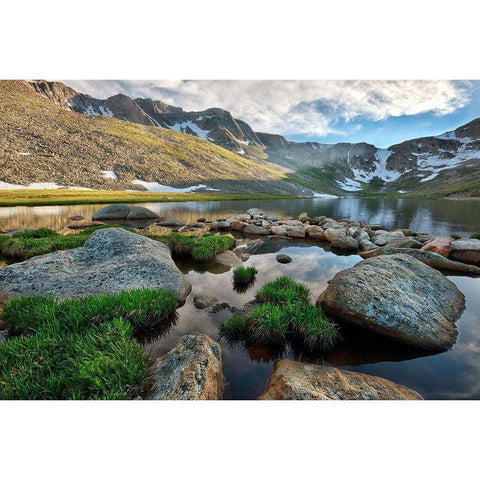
(242, 275)
(39, 233)
(475, 235)
(267, 324)
(283, 290)
(200, 249)
(311, 326)
(284, 314)
(455, 236)
(233, 328)
(102, 362)
(140, 308)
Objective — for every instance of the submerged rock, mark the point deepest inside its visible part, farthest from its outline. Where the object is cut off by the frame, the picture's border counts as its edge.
(431, 259)
(192, 370)
(121, 211)
(112, 260)
(200, 300)
(228, 258)
(303, 381)
(399, 297)
(282, 258)
(171, 222)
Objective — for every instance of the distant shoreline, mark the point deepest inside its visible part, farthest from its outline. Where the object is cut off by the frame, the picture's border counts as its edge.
(34, 198)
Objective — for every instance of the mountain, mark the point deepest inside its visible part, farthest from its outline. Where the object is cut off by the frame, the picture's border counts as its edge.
(442, 165)
(43, 139)
(447, 164)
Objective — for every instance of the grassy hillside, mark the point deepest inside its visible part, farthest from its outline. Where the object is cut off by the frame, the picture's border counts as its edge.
(43, 142)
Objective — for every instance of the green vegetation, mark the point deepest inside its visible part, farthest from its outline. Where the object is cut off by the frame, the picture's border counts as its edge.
(140, 308)
(11, 198)
(284, 314)
(23, 245)
(242, 275)
(102, 362)
(475, 235)
(456, 236)
(200, 249)
(283, 290)
(79, 348)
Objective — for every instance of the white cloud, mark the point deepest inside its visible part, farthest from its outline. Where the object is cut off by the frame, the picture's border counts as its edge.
(308, 107)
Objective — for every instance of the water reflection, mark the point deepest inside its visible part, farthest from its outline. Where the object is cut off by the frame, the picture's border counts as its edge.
(433, 216)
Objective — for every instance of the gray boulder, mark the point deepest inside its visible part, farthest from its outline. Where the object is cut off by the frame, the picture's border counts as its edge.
(466, 245)
(112, 260)
(121, 211)
(192, 370)
(256, 230)
(431, 259)
(399, 297)
(345, 243)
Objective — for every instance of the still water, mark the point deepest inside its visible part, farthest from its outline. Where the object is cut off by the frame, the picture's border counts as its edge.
(450, 375)
(438, 217)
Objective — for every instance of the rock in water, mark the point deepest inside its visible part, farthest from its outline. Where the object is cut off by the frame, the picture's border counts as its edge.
(192, 370)
(399, 297)
(120, 211)
(201, 300)
(441, 245)
(303, 381)
(431, 259)
(282, 258)
(112, 260)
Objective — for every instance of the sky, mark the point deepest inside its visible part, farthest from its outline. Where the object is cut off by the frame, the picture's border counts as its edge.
(381, 112)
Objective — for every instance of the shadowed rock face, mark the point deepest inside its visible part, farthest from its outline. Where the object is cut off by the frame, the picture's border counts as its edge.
(112, 260)
(302, 381)
(192, 370)
(399, 297)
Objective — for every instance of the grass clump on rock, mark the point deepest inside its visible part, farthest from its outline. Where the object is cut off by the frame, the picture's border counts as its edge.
(30, 243)
(455, 236)
(283, 314)
(200, 249)
(244, 275)
(475, 235)
(140, 308)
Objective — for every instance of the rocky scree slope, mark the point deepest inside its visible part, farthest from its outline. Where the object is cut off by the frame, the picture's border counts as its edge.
(45, 141)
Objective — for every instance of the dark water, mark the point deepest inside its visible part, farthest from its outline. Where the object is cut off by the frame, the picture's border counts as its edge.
(431, 216)
(450, 375)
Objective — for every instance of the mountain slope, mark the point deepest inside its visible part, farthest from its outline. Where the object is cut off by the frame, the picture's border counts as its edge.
(45, 141)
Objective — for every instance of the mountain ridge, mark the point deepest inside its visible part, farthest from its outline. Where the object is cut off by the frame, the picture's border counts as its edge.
(344, 169)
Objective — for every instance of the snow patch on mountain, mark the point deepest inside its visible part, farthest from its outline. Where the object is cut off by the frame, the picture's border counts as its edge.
(182, 128)
(157, 187)
(109, 174)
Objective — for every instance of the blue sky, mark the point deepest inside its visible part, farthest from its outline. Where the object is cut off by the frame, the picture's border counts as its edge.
(328, 111)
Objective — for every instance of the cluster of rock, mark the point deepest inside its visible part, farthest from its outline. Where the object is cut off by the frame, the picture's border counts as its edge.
(192, 370)
(368, 240)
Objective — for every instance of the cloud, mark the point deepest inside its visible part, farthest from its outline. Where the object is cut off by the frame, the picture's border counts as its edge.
(288, 107)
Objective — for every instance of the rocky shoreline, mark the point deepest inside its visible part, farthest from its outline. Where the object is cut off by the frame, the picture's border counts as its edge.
(396, 291)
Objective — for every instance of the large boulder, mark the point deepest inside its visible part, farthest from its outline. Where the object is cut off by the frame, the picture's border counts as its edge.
(345, 243)
(440, 245)
(121, 211)
(314, 231)
(304, 381)
(404, 242)
(431, 259)
(295, 231)
(112, 260)
(399, 297)
(192, 370)
(466, 250)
